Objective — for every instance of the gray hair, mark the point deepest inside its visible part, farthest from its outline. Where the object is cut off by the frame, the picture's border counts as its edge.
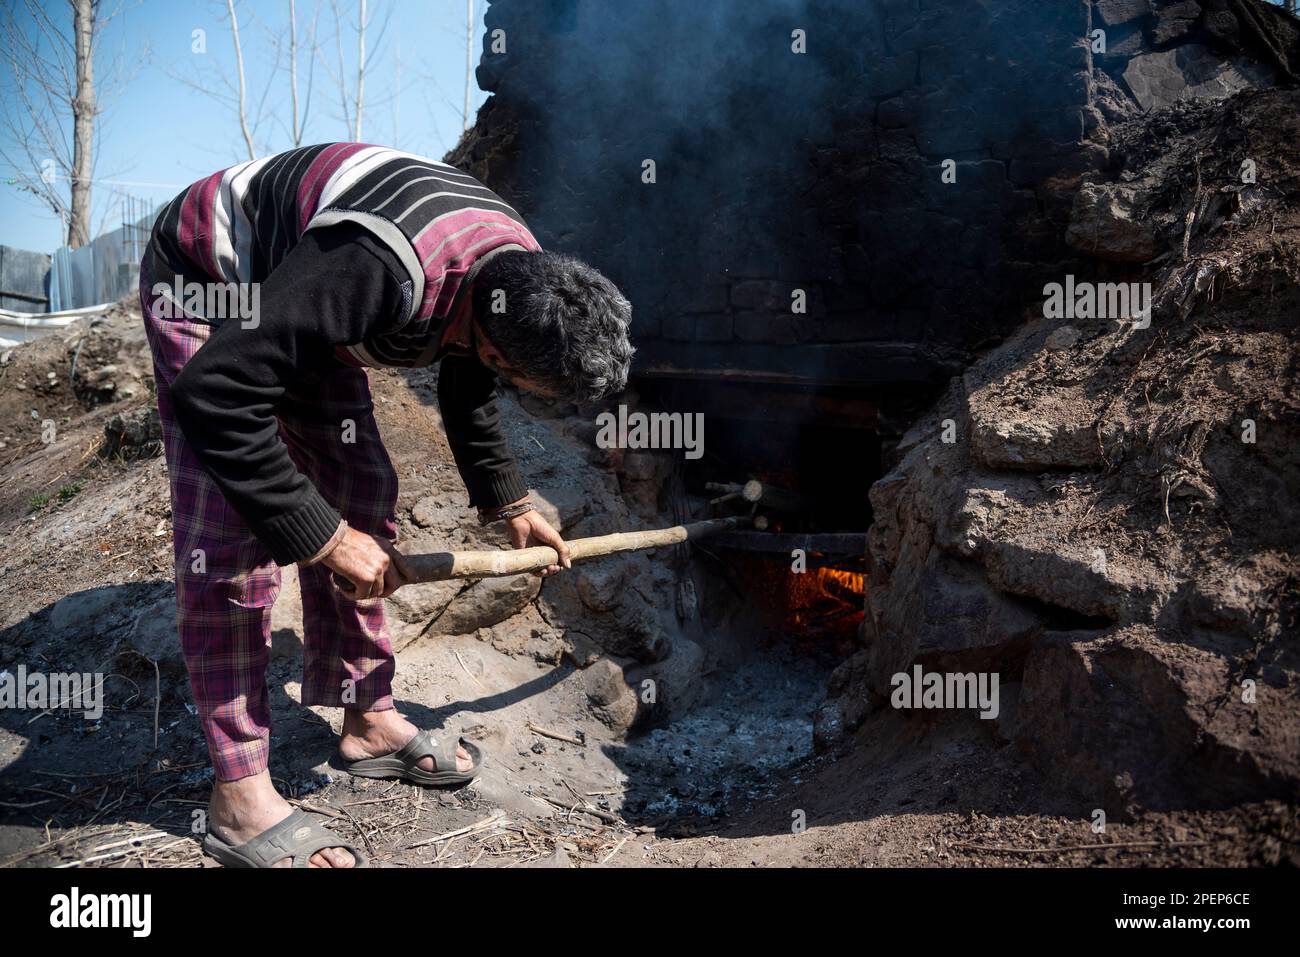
(556, 320)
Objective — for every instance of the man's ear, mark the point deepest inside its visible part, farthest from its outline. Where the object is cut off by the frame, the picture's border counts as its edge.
(486, 350)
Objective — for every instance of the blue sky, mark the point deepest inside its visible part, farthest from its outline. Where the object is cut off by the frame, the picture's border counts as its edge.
(159, 133)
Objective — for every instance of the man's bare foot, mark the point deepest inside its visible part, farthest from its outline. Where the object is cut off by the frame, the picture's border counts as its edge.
(241, 810)
(372, 734)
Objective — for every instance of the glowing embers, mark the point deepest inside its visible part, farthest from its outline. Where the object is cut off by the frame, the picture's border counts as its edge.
(822, 605)
(821, 597)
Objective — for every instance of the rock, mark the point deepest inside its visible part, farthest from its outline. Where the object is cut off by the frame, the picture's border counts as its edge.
(1161, 78)
(91, 612)
(670, 687)
(461, 608)
(154, 636)
(1103, 225)
(1034, 441)
(1115, 12)
(133, 435)
(847, 704)
(611, 700)
(419, 603)
(1175, 20)
(580, 649)
(485, 603)
(1067, 579)
(1007, 721)
(601, 584)
(945, 615)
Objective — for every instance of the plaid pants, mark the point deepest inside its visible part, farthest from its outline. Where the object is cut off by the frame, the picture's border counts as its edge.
(226, 581)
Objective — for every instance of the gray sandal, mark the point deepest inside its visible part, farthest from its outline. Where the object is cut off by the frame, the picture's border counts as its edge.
(403, 764)
(297, 837)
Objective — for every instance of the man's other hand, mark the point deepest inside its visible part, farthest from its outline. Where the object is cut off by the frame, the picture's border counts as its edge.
(372, 566)
(531, 529)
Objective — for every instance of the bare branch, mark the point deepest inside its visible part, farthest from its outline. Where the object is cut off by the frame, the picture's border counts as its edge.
(239, 63)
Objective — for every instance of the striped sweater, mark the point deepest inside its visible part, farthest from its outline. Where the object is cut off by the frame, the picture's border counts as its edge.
(364, 255)
(442, 224)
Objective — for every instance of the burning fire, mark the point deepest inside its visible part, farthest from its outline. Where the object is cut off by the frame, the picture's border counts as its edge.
(825, 602)
(819, 605)
(849, 581)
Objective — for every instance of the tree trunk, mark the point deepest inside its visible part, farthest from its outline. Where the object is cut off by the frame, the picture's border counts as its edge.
(83, 122)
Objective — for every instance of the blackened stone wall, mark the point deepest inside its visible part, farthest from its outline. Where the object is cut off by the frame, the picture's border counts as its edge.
(822, 171)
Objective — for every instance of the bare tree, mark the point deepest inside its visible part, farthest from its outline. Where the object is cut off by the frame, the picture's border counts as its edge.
(361, 68)
(352, 103)
(50, 80)
(84, 108)
(239, 66)
(299, 107)
(293, 71)
(249, 109)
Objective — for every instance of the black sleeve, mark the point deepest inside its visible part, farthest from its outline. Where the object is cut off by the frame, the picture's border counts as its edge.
(333, 288)
(467, 392)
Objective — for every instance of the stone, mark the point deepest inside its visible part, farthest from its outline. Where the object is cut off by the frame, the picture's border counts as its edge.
(461, 608)
(1104, 225)
(1035, 442)
(1115, 12)
(713, 328)
(420, 602)
(89, 613)
(133, 435)
(154, 636)
(485, 603)
(601, 584)
(1175, 20)
(1161, 78)
(610, 697)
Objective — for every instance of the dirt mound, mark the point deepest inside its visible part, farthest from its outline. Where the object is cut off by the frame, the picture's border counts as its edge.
(1106, 512)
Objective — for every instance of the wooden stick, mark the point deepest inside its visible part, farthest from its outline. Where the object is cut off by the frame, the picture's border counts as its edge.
(441, 566)
(548, 733)
(497, 816)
